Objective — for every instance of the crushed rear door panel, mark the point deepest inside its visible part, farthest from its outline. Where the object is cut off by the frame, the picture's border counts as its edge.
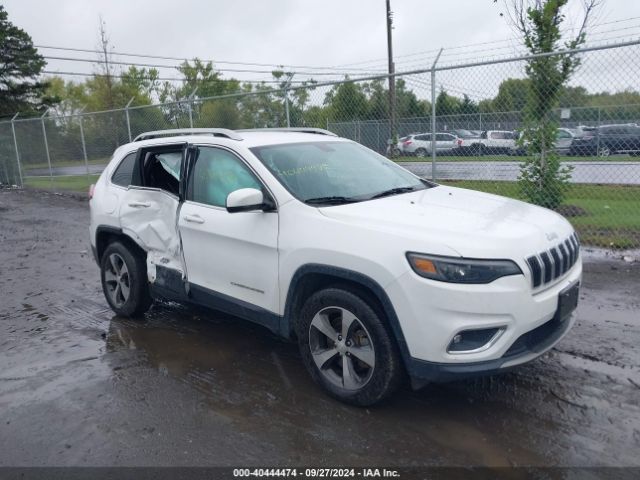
(150, 217)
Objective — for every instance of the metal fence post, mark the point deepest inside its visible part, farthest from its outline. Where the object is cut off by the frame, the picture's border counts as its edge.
(15, 144)
(598, 134)
(126, 110)
(84, 145)
(190, 106)
(286, 106)
(433, 117)
(46, 145)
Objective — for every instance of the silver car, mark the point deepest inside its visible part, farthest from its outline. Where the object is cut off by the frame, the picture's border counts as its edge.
(420, 144)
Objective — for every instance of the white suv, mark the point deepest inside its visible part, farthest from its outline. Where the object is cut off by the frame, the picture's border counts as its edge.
(374, 271)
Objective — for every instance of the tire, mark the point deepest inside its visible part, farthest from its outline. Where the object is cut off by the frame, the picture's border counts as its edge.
(421, 152)
(478, 149)
(604, 152)
(122, 270)
(373, 373)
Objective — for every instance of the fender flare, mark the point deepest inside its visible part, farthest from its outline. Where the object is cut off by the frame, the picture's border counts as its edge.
(353, 277)
(114, 231)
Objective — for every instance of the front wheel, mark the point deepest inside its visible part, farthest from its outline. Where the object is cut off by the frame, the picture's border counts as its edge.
(347, 347)
(124, 281)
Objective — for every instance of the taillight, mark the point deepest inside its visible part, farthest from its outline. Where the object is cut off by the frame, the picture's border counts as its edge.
(92, 188)
(407, 142)
(459, 142)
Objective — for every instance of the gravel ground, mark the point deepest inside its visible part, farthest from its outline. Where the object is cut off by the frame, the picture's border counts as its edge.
(79, 386)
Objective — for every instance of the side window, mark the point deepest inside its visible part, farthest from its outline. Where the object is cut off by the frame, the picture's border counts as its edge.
(124, 172)
(162, 169)
(216, 174)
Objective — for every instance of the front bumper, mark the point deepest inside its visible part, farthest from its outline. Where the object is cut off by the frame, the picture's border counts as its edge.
(528, 347)
(431, 313)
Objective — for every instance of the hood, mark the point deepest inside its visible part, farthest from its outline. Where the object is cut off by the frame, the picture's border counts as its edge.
(474, 224)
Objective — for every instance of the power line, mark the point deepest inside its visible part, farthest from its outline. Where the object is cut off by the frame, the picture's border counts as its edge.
(181, 59)
(492, 42)
(154, 65)
(170, 79)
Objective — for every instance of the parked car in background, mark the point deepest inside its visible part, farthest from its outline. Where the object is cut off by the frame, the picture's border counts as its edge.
(462, 133)
(489, 141)
(394, 149)
(582, 130)
(420, 144)
(562, 145)
(608, 140)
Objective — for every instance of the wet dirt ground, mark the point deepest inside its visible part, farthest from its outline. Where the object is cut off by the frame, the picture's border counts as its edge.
(79, 386)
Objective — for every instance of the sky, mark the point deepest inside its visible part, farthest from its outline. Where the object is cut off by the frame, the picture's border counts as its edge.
(341, 36)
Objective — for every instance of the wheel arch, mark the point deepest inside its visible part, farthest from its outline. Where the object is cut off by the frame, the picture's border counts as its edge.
(310, 278)
(106, 234)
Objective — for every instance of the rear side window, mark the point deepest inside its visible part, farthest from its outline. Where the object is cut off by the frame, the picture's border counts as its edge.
(124, 173)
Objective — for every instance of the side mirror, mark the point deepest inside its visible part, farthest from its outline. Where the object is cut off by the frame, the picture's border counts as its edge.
(245, 200)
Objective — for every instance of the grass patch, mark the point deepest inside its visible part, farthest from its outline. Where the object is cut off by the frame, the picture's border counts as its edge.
(612, 212)
(66, 163)
(611, 219)
(510, 158)
(71, 183)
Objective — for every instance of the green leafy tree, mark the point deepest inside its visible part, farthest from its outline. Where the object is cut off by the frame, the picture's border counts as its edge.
(447, 104)
(468, 106)
(347, 101)
(20, 69)
(513, 95)
(543, 180)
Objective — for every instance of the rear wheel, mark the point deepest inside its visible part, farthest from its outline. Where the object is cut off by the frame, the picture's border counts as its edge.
(124, 280)
(604, 152)
(347, 347)
(421, 152)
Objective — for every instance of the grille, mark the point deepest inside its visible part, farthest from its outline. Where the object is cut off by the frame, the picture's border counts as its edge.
(547, 266)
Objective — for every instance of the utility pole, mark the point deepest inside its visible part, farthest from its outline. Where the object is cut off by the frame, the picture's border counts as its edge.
(392, 79)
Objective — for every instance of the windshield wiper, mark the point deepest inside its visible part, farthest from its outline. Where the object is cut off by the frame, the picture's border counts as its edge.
(393, 191)
(335, 200)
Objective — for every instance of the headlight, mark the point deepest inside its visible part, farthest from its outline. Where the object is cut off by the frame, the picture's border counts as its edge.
(461, 270)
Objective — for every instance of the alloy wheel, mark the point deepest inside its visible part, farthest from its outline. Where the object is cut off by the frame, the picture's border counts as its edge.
(117, 280)
(604, 152)
(341, 348)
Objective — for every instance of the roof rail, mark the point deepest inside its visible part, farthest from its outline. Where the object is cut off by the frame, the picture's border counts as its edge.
(319, 131)
(216, 132)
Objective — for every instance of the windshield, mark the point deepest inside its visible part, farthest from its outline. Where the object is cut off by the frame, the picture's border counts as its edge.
(335, 171)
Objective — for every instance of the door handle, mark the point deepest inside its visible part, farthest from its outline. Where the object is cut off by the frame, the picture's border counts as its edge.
(140, 204)
(193, 219)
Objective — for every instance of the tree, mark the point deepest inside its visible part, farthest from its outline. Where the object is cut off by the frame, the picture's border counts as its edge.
(542, 178)
(347, 101)
(447, 104)
(468, 106)
(20, 68)
(513, 94)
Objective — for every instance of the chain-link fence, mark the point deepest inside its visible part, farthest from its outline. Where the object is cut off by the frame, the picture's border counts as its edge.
(503, 126)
